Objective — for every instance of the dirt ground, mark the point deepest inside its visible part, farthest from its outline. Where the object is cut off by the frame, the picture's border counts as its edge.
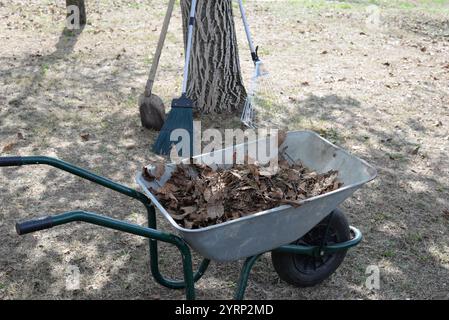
(378, 89)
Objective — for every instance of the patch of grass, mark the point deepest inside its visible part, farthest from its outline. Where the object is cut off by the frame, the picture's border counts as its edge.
(421, 205)
(324, 5)
(130, 101)
(425, 5)
(299, 122)
(172, 37)
(115, 72)
(389, 253)
(134, 5)
(331, 134)
(148, 60)
(344, 6)
(104, 126)
(378, 217)
(396, 156)
(124, 253)
(414, 237)
(264, 51)
(423, 258)
(44, 68)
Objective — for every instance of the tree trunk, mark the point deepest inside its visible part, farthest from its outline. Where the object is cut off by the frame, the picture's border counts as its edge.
(215, 80)
(82, 10)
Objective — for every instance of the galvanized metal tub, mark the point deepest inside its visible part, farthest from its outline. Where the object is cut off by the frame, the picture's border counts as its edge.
(270, 229)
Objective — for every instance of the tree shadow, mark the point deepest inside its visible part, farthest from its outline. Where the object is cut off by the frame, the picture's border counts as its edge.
(399, 213)
(371, 208)
(64, 47)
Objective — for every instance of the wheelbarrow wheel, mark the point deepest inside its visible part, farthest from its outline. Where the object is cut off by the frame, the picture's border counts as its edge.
(307, 271)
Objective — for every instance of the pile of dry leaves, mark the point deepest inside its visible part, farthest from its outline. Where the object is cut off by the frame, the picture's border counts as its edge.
(197, 196)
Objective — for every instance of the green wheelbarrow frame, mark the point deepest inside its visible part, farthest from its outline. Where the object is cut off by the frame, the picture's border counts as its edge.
(151, 232)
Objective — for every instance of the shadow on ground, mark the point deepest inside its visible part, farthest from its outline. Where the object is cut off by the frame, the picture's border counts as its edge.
(400, 213)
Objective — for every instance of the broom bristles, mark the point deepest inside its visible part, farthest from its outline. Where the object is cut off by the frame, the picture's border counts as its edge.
(178, 118)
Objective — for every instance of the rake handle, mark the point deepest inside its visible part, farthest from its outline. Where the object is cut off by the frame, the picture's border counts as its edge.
(252, 47)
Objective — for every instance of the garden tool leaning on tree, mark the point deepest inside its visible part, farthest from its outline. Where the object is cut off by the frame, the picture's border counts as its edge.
(152, 109)
(180, 117)
(258, 91)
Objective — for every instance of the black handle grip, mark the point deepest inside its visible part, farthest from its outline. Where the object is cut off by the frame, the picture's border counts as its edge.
(11, 161)
(34, 225)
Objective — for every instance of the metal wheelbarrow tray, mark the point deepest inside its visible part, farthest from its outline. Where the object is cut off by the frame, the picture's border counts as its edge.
(270, 229)
(325, 228)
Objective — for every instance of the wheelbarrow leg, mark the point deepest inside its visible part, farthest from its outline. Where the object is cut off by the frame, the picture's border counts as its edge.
(244, 275)
(189, 277)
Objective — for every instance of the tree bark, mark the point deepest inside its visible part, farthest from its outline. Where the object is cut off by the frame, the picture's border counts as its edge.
(82, 8)
(215, 80)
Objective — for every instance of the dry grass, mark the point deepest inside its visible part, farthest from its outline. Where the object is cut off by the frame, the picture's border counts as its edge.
(381, 94)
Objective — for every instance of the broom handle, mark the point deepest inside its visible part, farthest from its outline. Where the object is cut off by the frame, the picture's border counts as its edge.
(248, 32)
(160, 45)
(189, 46)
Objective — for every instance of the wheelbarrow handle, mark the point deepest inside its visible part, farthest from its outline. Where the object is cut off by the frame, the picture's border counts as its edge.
(11, 161)
(99, 220)
(34, 225)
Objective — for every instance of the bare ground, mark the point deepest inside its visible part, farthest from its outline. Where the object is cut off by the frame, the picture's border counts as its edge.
(382, 94)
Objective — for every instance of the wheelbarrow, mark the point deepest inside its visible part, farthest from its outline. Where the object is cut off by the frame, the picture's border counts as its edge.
(307, 243)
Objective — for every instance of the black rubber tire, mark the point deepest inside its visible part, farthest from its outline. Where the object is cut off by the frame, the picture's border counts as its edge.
(307, 271)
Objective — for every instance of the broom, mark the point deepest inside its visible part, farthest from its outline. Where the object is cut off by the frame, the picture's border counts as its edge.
(181, 114)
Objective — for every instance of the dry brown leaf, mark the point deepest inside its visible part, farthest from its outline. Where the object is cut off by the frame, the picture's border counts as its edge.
(179, 217)
(446, 213)
(197, 197)
(215, 211)
(9, 147)
(294, 204)
(207, 195)
(85, 136)
(235, 174)
(167, 189)
(277, 194)
(147, 175)
(189, 210)
(188, 224)
(159, 171)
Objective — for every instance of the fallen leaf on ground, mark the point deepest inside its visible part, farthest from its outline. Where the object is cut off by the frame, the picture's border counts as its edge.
(9, 147)
(85, 136)
(446, 213)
